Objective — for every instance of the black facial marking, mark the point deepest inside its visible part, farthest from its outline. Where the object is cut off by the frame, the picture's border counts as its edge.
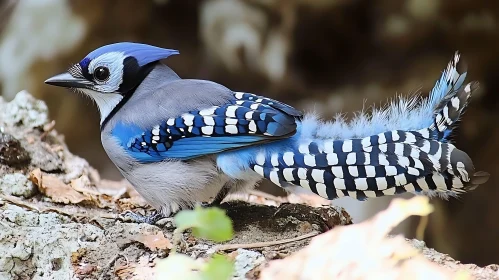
(76, 71)
(133, 74)
(84, 68)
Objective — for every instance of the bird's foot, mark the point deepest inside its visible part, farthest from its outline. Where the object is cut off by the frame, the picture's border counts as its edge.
(214, 203)
(208, 204)
(217, 201)
(147, 219)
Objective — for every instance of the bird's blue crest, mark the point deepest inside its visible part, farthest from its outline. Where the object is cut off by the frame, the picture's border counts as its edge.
(143, 53)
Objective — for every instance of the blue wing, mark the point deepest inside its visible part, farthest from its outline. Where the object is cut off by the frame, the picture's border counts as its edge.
(247, 120)
(285, 108)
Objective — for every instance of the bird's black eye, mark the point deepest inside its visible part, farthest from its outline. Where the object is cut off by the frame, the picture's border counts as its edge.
(101, 73)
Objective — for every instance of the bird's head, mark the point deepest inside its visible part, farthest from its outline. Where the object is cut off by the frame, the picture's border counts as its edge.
(108, 73)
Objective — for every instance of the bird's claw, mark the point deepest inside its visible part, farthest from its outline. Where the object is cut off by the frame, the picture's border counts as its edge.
(209, 204)
(139, 218)
(155, 216)
(206, 204)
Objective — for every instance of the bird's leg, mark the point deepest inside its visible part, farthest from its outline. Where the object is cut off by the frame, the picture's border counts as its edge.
(157, 215)
(219, 197)
(148, 219)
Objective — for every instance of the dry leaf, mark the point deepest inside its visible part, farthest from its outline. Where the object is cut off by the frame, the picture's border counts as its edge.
(363, 251)
(135, 200)
(55, 189)
(115, 189)
(135, 271)
(124, 271)
(154, 241)
(85, 269)
(83, 185)
(76, 256)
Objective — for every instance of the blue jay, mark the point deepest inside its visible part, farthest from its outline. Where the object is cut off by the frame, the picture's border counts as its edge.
(184, 141)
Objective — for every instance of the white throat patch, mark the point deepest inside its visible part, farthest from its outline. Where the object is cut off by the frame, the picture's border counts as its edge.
(106, 102)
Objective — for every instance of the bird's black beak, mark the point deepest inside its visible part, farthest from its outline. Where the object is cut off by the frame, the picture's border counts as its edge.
(68, 81)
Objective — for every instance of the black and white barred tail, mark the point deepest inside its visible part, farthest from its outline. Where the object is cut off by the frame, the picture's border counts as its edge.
(393, 162)
(385, 164)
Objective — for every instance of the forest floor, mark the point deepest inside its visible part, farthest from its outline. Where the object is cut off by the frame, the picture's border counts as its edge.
(59, 220)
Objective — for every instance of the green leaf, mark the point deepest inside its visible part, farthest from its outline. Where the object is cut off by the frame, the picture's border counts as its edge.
(186, 219)
(218, 268)
(177, 266)
(209, 223)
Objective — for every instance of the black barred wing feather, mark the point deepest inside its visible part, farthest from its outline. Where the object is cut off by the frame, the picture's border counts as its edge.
(238, 124)
(285, 108)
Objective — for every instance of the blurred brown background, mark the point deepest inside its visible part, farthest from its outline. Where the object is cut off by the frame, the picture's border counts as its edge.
(323, 55)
